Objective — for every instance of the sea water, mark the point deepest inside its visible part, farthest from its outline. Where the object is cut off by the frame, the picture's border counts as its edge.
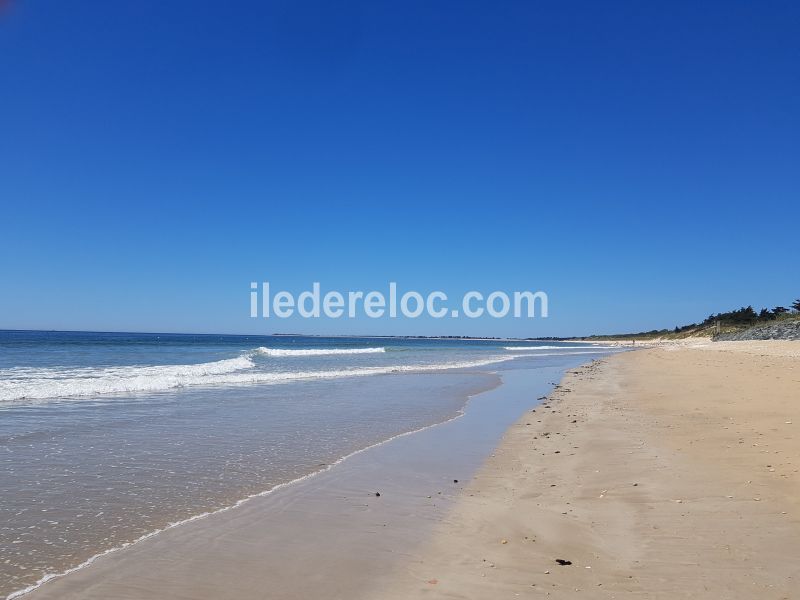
(108, 437)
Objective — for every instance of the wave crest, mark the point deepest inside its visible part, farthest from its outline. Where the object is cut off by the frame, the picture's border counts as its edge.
(26, 383)
(54, 384)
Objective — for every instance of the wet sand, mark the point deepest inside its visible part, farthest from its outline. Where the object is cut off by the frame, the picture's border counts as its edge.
(670, 472)
(328, 536)
(78, 478)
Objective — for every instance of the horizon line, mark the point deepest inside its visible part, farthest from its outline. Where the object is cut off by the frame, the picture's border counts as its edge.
(339, 335)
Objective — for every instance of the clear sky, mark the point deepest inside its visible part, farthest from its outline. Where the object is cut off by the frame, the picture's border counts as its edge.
(637, 161)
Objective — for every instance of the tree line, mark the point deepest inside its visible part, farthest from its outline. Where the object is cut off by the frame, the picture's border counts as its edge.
(746, 315)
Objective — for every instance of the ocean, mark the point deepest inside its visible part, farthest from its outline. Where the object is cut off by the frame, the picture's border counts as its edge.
(109, 437)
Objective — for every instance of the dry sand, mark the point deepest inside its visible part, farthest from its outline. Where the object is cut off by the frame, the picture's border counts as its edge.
(670, 472)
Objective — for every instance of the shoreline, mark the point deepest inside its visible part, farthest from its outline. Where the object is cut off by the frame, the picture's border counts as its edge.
(667, 472)
(325, 498)
(28, 591)
(51, 577)
(671, 472)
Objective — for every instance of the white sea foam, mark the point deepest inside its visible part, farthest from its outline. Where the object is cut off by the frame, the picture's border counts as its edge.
(317, 351)
(26, 384)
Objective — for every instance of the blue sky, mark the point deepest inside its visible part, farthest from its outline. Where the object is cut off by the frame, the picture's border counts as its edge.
(639, 162)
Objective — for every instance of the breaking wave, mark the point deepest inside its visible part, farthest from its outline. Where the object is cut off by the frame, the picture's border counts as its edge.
(24, 383)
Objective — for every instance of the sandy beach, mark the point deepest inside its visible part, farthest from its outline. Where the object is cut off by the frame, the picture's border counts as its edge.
(670, 472)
